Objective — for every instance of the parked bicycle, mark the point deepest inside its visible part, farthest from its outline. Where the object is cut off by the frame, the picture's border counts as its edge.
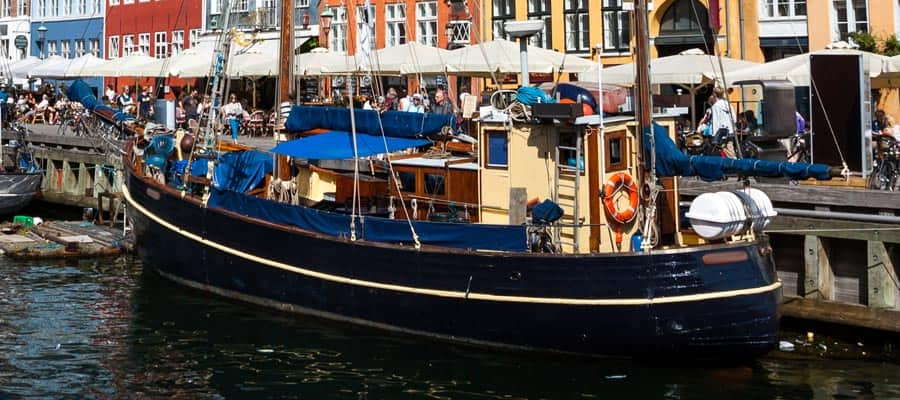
(73, 123)
(886, 172)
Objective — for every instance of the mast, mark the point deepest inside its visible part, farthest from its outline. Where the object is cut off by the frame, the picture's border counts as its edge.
(285, 76)
(285, 70)
(646, 173)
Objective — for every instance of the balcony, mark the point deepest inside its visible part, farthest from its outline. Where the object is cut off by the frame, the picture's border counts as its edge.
(260, 19)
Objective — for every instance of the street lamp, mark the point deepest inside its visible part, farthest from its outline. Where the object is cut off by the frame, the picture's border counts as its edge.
(325, 18)
(42, 37)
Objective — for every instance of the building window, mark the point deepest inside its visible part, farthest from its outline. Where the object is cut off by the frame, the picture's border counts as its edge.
(144, 44)
(22, 8)
(576, 22)
(95, 47)
(54, 8)
(363, 19)
(41, 8)
(127, 1)
(177, 42)
(98, 6)
(540, 9)
(241, 5)
(65, 49)
(5, 8)
(302, 4)
(783, 8)
(462, 32)
(82, 6)
(127, 45)
(215, 6)
(51, 48)
(66, 7)
(160, 45)
(504, 10)
(338, 34)
(497, 149)
(113, 49)
(113, 2)
(426, 23)
(195, 37)
(395, 17)
(616, 27)
(79, 47)
(851, 16)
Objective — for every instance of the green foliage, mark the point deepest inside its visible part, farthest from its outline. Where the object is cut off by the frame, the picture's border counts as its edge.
(891, 46)
(865, 41)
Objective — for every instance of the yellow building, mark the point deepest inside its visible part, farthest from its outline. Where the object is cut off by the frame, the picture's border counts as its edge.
(834, 20)
(579, 26)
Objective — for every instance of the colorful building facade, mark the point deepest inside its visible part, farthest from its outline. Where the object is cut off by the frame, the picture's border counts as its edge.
(15, 29)
(69, 29)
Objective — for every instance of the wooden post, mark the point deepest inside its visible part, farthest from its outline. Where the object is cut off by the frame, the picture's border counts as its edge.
(882, 277)
(819, 277)
(518, 197)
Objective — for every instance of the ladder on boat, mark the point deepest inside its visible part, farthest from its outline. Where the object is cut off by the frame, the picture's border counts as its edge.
(567, 180)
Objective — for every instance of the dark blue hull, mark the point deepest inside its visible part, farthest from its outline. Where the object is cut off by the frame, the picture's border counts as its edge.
(630, 305)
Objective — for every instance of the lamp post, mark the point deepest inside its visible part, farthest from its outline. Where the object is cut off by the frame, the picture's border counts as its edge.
(42, 37)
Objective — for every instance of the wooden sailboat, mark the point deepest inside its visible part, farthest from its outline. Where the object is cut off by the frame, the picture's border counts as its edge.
(482, 282)
(18, 185)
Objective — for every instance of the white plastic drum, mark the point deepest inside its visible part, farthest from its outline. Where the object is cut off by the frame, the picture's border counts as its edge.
(723, 214)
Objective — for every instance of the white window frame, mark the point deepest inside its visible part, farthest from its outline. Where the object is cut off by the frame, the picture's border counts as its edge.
(615, 40)
(576, 25)
(302, 3)
(6, 9)
(54, 8)
(853, 21)
(177, 42)
(51, 48)
(395, 23)
(65, 49)
(426, 23)
(337, 36)
(195, 37)
(241, 6)
(67, 7)
(22, 8)
(95, 47)
(42, 8)
(127, 1)
(161, 44)
(79, 47)
(127, 45)
(144, 43)
(113, 2)
(360, 25)
(772, 9)
(112, 50)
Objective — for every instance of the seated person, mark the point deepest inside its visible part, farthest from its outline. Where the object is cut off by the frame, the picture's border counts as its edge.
(125, 101)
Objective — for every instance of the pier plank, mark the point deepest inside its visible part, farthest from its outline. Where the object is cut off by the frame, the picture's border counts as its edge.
(884, 286)
(842, 313)
(852, 230)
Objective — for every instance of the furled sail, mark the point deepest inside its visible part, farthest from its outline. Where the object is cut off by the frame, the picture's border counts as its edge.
(371, 122)
(82, 93)
(670, 161)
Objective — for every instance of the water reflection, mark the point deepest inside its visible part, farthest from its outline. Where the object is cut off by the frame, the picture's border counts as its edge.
(103, 329)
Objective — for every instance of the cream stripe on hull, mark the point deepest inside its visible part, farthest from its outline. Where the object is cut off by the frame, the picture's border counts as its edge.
(445, 293)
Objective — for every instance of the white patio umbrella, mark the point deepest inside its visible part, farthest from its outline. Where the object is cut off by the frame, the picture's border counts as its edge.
(191, 63)
(77, 67)
(406, 59)
(796, 68)
(53, 67)
(321, 62)
(135, 65)
(502, 56)
(690, 67)
(19, 69)
(253, 64)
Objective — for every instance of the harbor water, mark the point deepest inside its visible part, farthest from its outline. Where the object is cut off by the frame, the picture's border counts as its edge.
(107, 329)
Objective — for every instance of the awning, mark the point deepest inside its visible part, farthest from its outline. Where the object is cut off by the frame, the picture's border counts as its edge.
(338, 145)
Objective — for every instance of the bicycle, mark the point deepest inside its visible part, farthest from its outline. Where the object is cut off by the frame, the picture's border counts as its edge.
(73, 120)
(886, 172)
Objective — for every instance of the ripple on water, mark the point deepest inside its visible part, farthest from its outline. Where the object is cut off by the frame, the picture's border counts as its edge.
(102, 329)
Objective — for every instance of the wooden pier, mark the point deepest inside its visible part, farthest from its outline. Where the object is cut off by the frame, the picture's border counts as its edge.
(74, 239)
(837, 250)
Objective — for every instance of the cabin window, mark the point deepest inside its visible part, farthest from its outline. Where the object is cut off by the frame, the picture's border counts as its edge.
(568, 150)
(407, 181)
(498, 149)
(434, 184)
(616, 151)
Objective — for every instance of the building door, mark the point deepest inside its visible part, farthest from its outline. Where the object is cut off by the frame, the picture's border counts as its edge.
(684, 25)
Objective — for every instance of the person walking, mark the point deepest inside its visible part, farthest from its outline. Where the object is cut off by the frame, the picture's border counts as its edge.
(233, 112)
(722, 119)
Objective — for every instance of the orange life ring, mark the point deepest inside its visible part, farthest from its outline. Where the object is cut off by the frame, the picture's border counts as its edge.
(621, 181)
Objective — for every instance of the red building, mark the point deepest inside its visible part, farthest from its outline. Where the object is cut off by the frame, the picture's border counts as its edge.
(158, 28)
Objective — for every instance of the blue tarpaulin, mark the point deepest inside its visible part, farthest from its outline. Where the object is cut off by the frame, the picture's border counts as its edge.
(670, 161)
(394, 123)
(82, 93)
(337, 145)
(461, 236)
(241, 171)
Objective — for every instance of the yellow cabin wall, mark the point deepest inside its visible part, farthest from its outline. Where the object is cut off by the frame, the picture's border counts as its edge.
(312, 185)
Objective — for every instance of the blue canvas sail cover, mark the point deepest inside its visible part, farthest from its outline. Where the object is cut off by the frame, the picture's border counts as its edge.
(80, 91)
(670, 161)
(394, 123)
(239, 171)
(338, 145)
(461, 236)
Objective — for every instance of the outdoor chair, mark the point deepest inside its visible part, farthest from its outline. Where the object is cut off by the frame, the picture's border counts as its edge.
(256, 124)
(40, 116)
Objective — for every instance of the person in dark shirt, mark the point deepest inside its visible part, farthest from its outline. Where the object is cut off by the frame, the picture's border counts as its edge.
(441, 105)
(145, 100)
(189, 103)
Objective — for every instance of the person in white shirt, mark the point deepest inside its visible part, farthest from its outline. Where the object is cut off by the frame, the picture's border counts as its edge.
(416, 106)
(722, 120)
(110, 94)
(233, 112)
(405, 101)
